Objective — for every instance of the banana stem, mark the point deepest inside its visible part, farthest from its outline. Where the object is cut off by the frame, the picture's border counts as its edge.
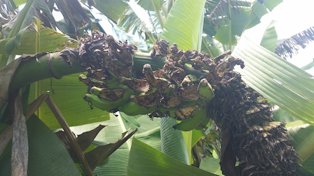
(35, 68)
(58, 64)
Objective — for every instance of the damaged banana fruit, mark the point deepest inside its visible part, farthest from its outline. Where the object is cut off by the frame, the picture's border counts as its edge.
(113, 85)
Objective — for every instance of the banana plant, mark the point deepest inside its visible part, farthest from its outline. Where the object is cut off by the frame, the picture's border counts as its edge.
(62, 63)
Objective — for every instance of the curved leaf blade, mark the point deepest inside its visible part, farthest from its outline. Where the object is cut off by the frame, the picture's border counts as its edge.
(68, 94)
(183, 25)
(269, 40)
(34, 39)
(279, 81)
(145, 160)
(111, 8)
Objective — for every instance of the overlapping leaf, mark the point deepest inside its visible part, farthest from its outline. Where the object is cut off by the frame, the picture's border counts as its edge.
(183, 28)
(279, 81)
(145, 160)
(68, 94)
(44, 148)
(34, 39)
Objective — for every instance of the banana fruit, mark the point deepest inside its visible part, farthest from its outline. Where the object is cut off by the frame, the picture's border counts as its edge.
(205, 90)
(132, 108)
(197, 120)
(95, 101)
(98, 98)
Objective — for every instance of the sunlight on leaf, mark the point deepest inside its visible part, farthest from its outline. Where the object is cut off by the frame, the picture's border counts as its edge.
(183, 28)
(279, 81)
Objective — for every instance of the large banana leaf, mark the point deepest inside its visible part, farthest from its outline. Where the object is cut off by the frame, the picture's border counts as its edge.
(25, 18)
(279, 81)
(68, 94)
(149, 130)
(30, 10)
(145, 160)
(121, 161)
(47, 155)
(127, 14)
(33, 39)
(172, 141)
(111, 8)
(184, 24)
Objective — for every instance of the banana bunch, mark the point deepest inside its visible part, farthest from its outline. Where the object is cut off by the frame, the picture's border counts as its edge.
(174, 90)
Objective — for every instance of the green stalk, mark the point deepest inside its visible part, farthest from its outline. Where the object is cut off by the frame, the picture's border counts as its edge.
(33, 69)
(50, 65)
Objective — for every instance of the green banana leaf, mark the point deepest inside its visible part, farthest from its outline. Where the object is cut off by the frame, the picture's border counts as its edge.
(47, 155)
(35, 39)
(161, 135)
(117, 163)
(269, 40)
(25, 18)
(68, 94)
(279, 81)
(6, 75)
(184, 24)
(123, 14)
(226, 20)
(211, 165)
(145, 160)
(302, 136)
(111, 8)
(172, 141)
(185, 30)
(149, 130)
(151, 5)
(19, 2)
